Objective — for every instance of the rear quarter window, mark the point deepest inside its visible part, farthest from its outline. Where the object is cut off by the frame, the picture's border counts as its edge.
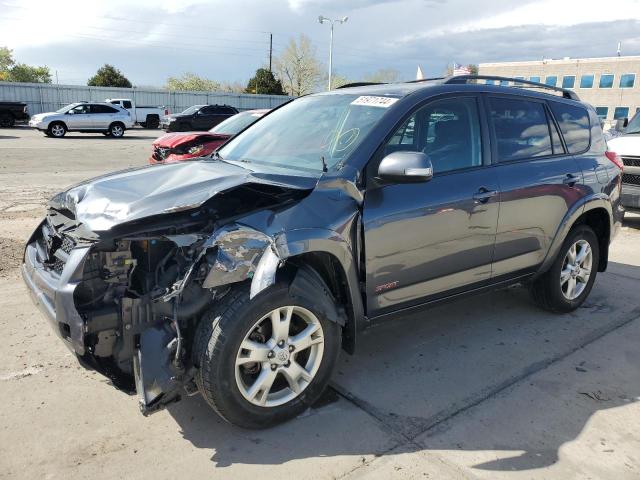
(574, 125)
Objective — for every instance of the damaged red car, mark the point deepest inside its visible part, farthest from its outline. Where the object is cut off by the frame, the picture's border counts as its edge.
(178, 146)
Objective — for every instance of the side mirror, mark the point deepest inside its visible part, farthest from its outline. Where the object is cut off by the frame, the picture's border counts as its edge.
(405, 167)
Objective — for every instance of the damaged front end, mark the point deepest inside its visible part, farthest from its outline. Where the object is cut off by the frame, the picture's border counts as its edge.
(128, 300)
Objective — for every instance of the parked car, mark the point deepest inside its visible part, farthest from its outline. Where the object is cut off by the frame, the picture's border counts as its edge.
(627, 145)
(145, 116)
(12, 111)
(198, 117)
(174, 147)
(242, 276)
(104, 118)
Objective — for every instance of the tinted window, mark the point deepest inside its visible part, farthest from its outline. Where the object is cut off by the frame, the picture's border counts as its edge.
(568, 81)
(448, 131)
(84, 108)
(126, 104)
(621, 112)
(535, 79)
(521, 129)
(103, 109)
(229, 110)
(602, 112)
(208, 110)
(556, 143)
(551, 80)
(627, 80)
(606, 80)
(586, 81)
(574, 125)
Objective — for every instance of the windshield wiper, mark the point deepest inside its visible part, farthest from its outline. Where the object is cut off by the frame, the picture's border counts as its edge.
(215, 155)
(324, 164)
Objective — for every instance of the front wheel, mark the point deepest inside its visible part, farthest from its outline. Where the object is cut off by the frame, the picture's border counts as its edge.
(265, 360)
(57, 130)
(569, 280)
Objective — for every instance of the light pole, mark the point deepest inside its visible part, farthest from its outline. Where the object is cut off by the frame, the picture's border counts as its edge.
(322, 19)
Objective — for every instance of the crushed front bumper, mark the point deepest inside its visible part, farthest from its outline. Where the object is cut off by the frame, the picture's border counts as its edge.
(52, 286)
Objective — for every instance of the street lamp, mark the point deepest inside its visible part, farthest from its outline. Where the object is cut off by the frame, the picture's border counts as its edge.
(322, 19)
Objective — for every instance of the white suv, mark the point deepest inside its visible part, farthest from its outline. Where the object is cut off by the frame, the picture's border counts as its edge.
(110, 120)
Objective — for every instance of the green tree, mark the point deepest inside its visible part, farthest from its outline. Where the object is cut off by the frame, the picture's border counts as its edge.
(265, 83)
(6, 61)
(191, 82)
(109, 76)
(10, 71)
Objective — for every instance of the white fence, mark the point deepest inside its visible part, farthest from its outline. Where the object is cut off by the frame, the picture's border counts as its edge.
(46, 97)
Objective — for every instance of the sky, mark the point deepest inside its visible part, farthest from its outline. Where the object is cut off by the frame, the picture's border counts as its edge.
(150, 40)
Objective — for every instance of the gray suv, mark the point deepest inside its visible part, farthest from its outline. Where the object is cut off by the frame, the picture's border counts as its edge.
(243, 275)
(110, 120)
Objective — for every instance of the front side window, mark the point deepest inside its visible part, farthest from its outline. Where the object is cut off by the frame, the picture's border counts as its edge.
(586, 81)
(602, 112)
(627, 80)
(448, 131)
(521, 129)
(535, 79)
(307, 132)
(606, 80)
(620, 113)
(551, 80)
(574, 125)
(84, 108)
(568, 81)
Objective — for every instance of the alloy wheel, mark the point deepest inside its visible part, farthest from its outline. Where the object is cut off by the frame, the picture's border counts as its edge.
(57, 130)
(280, 356)
(117, 131)
(576, 269)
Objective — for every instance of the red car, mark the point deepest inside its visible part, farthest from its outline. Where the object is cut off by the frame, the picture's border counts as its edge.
(175, 147)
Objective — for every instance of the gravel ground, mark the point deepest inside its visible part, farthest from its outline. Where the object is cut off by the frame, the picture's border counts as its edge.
(489, 387)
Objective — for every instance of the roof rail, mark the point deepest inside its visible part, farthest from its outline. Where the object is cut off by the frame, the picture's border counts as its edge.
(359, 84)
(426, 80)
(570, 94)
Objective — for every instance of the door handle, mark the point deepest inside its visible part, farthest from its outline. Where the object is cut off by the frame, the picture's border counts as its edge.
(484, 194)
(570, 179)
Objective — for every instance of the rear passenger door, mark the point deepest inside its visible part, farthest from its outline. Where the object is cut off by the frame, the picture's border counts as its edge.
(539, 181)
(102, 116)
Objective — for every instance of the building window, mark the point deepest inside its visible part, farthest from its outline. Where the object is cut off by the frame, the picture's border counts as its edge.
(535, 79)
(551, 80)
(602, 112)
(606, 80)
(621, 112)
(627, 80)
(504, 83)
(568, 81)
(490, 82)
(586, 81)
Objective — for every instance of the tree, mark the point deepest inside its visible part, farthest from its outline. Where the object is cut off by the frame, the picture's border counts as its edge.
(265, 83)
(384, 75)
(298, 67)
(109, 76)
(10, 71)
(192, 82)
(338, 80)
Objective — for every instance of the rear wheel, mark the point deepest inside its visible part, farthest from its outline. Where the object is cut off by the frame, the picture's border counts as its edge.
(7, 120)
(569, 280)
(57, 130)
(265, 360)
(152, 122)
(116, 130)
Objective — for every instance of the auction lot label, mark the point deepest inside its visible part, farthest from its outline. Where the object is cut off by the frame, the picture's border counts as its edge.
(370, 101)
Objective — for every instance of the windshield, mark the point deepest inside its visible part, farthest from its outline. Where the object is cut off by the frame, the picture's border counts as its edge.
(634, 124)
(307, 131)
(191, 110)
(235, 124)
(66, 108)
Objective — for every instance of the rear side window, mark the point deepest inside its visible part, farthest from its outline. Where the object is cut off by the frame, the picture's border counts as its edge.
(574, 125)
(521, 129)
(103, 109)
(126, 104)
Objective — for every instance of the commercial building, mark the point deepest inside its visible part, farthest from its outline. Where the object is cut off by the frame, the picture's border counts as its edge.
(610, 84)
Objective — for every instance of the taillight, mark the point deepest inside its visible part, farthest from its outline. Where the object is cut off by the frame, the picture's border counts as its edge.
(166, 111)
(615, 158)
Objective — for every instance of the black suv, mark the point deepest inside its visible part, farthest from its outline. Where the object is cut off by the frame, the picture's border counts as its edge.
(198, 117)
(243, 275)
(12, 111)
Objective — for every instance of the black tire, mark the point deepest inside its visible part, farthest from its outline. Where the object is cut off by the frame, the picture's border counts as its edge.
(217, 343)
(116, 130)
(151, 123)
(547, 291)
(7, 120)
(143, 124)
(106, 134)
(55, 131)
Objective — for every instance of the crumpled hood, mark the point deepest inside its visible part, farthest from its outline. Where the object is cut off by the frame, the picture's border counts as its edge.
(625, 144)
(172, 140)
(104, 202)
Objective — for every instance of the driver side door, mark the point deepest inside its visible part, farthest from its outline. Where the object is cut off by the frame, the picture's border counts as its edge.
(431, 239)
(79, 117)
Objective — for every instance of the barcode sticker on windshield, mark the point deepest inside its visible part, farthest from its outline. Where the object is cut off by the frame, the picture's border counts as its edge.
(369, 101)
